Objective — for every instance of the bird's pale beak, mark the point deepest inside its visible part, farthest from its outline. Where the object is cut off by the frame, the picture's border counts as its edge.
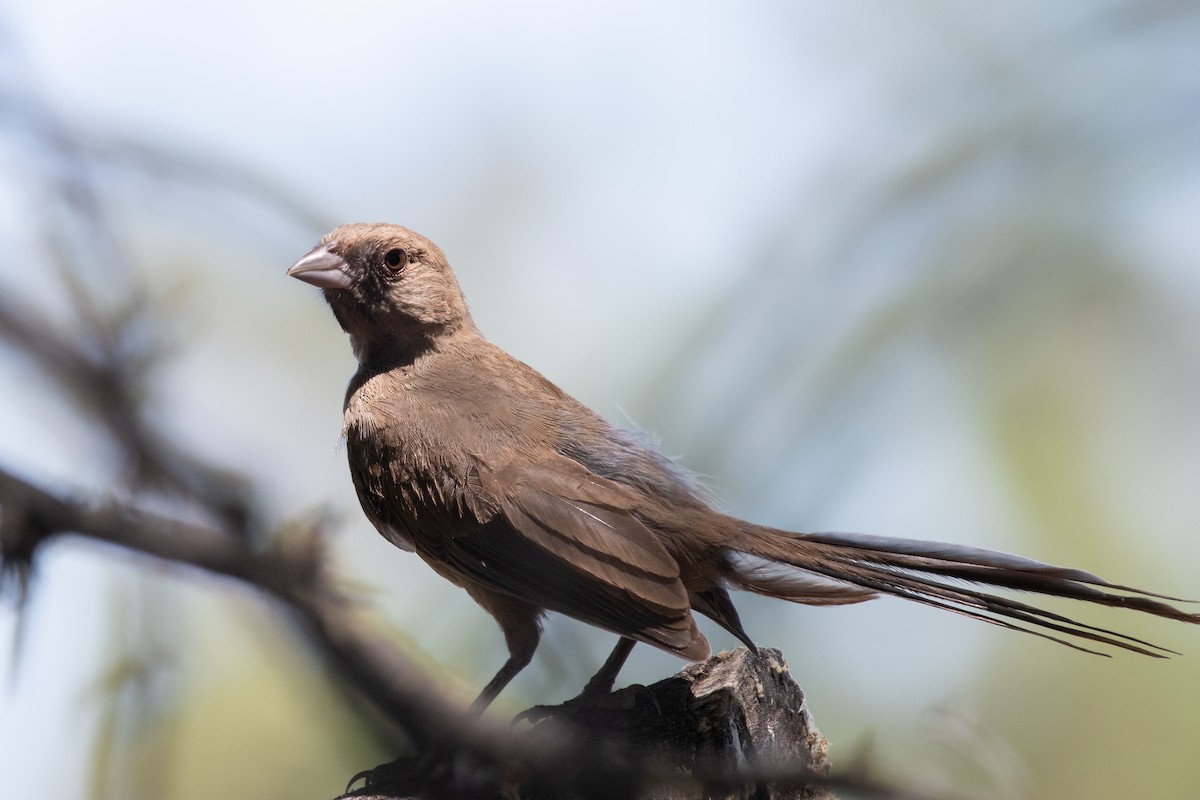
(324, 268)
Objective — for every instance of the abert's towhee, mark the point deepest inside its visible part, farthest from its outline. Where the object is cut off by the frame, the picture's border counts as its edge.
(518, 493)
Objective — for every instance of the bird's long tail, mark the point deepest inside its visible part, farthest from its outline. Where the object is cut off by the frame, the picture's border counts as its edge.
(830, 568)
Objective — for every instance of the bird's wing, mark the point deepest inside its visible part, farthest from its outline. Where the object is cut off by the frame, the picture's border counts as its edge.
(567, 540)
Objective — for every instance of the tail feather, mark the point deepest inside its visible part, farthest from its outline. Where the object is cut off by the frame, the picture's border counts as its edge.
(968, 600)
(961, 555)
(955, 599)
(864, 565)
(773, 579)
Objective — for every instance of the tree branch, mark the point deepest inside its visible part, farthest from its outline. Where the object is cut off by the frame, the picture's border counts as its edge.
(294, 575)
(744, 717)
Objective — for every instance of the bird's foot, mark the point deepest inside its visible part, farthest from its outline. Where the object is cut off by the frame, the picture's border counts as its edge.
(592, 699)
(401, 774)
(414, 775)
(535, 714)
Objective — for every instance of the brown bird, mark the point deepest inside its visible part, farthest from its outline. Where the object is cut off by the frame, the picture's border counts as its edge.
(513, 490)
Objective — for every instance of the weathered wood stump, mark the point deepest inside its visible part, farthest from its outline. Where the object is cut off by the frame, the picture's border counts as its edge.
(735, 726)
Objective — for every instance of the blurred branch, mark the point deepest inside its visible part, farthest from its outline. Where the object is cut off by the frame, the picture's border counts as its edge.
(201, 169)
(104, 355)
(600, 750)
(102, 341)
(292, 574)
(105, 381)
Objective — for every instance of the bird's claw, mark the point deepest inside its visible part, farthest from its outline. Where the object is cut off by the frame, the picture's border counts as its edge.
(593, 699)
(404, 772)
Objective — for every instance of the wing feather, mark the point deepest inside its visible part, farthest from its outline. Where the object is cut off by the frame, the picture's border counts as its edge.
(570, 542)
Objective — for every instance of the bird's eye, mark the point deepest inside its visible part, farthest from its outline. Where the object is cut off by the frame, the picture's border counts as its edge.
(396, 259)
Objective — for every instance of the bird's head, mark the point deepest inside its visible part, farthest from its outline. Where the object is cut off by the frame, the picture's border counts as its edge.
(390, 288)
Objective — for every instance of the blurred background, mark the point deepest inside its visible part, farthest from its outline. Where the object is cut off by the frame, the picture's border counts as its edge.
(921, 269)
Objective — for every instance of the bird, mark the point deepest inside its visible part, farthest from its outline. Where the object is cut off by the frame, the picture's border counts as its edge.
(530, 501)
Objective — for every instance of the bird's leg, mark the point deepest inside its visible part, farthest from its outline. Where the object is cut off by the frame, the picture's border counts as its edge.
(423, 769)
(519, 621)
(602, 682)
(522, 629)
(517, 661)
